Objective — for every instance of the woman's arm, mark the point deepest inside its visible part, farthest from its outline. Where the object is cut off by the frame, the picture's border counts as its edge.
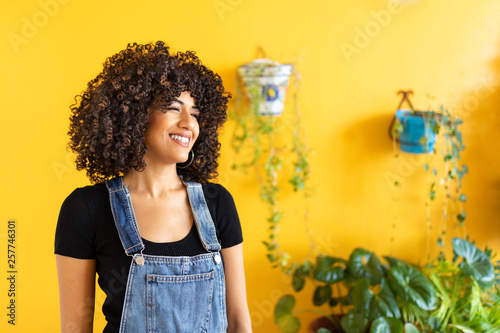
(238, 316)
(76, 293)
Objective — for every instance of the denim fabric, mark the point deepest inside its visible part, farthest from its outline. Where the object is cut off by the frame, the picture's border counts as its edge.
(170, 294)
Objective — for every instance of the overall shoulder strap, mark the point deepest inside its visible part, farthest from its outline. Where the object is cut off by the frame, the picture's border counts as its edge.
(123, 214)
(202, 217)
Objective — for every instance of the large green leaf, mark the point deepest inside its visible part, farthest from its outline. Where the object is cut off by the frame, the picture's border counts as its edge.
(283, 316)
(365, 264)
(361, 296)
(384, 302)
(386, 325)
(322, 294)
(476, 263)
(374, 304)
(354, 323)
(329, 269)
(411, 285)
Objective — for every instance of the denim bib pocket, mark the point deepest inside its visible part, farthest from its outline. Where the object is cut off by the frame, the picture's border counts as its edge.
(191, 297)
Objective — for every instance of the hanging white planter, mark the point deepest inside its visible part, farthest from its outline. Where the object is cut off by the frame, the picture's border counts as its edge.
(266, 81)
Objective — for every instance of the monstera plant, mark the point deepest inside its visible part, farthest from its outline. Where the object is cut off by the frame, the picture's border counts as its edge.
(361, 294)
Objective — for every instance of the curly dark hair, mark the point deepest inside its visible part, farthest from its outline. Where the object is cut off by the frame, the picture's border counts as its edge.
(110, 117)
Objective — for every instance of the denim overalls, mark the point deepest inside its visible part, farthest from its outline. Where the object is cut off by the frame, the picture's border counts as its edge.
(170, 294)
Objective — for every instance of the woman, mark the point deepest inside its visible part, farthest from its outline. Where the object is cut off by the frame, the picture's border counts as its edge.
(164, 242)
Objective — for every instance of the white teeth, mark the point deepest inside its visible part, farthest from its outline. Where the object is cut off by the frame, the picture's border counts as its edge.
(180, 138)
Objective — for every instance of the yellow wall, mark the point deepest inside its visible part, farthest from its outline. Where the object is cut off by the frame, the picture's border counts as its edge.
(353, 56)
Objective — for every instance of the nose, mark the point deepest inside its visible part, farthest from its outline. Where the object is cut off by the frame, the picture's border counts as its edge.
(186, 120)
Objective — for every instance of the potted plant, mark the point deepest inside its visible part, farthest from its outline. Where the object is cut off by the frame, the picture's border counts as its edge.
(434, 133)
(468, 290)
(361, 293)
(414, 130)
(260, 126)
(266, 81)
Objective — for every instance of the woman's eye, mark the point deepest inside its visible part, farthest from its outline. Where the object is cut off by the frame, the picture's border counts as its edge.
(195, 115)
(173, 109)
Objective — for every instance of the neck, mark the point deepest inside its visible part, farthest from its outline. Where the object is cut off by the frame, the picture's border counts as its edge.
(154, 182)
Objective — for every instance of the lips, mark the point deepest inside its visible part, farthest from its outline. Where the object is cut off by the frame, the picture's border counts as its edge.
(181, 138)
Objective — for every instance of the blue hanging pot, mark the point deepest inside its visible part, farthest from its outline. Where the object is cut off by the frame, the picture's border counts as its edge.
(266, 81)
(413, 130)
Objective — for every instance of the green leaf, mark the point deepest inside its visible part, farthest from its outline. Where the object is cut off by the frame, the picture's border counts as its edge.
(272, 257)
(284, 306)
(322, 294)
(462, 328)
(298, 282)
(394, 261)
(329, 269)
(411, 285)
(432, 193)
(398, 127)
(476, 263)
(436, 128)
(365, 264)
(372, 304)
(386, 325)
(461, 217)
(384, 302)
(361, 296)
(299, 279)
(354, 323)
(410, 328)
(283, 316)
(453, 172)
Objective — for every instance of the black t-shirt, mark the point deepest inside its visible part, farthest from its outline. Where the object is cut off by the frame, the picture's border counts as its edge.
(86, 230)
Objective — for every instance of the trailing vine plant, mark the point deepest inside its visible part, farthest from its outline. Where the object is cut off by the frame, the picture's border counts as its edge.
(451, 175)
(259, 131)
(445, 179)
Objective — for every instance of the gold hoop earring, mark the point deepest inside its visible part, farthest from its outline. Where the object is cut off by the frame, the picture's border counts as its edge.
(191, 161)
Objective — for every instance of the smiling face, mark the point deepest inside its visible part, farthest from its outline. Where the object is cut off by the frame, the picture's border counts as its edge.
(172, 131)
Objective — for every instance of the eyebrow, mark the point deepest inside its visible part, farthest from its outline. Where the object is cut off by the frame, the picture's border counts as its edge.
(182, 103)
